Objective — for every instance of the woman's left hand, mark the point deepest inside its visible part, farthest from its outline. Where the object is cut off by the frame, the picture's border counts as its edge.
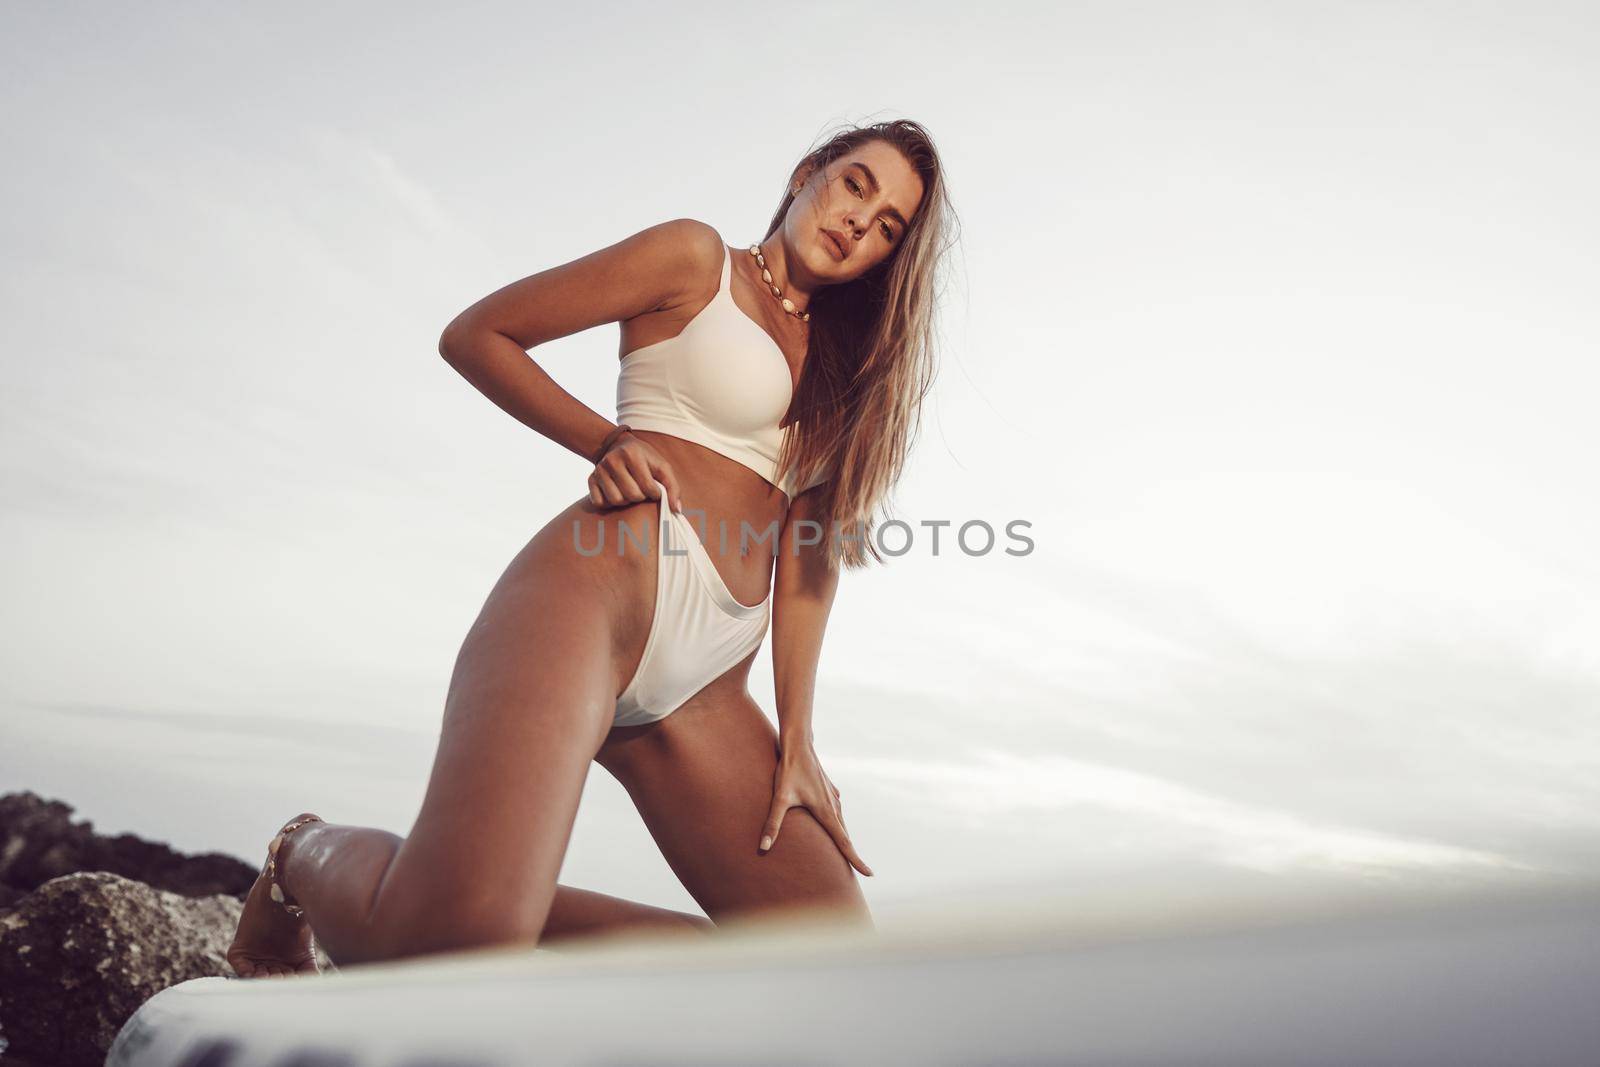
(800, 782)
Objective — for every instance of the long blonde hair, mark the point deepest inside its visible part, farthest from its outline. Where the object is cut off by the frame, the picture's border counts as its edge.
(870, 359)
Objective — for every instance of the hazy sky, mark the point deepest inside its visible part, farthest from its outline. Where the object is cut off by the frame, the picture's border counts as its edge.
(1277, 322)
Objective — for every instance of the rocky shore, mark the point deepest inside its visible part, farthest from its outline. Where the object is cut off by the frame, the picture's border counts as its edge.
(91, 926)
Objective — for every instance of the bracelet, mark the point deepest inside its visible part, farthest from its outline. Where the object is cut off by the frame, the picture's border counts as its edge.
(611, 439)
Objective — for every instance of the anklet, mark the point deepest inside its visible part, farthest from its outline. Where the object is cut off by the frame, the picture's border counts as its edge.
(276, 891)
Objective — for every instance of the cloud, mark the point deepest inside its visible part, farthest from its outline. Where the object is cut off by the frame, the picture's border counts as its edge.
(994, 784)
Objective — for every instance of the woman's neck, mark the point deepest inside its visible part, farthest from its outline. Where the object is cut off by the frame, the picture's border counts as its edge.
(798, 290)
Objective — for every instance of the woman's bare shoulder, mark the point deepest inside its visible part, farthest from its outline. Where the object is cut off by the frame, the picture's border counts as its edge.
(662, 266)
(690, 243)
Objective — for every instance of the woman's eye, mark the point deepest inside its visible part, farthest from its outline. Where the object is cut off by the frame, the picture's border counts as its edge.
(888, 234)
(851, 182)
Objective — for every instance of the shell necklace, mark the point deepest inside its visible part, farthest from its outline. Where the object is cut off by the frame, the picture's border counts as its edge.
(766, 276)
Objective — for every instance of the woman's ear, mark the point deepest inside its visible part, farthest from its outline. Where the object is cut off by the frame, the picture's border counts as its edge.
(802, 174)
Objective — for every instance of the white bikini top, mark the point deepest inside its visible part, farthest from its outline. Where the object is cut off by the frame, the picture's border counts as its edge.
(722, 382)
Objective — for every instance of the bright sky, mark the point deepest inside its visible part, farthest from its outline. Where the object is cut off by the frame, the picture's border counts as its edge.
(1277, 322)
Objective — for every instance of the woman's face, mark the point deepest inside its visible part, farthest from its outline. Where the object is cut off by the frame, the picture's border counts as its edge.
(852, 216)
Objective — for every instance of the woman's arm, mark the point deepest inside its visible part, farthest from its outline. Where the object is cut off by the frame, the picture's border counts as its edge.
(654, 270)
(802, 596)
(803, 588)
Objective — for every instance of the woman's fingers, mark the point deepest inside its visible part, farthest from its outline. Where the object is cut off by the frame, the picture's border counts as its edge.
(670, 480)
(831, 821)
(628, 474)
(617, 467)
(608, 487)
(769, 832)
(841, 837)
(615, 481)
(647, 470)
(833, 793)
(654, 476)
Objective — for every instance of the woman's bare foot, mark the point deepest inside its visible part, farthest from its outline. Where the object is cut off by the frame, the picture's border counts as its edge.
(270, 942)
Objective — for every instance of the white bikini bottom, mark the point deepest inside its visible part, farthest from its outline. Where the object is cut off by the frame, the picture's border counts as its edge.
(698, 630)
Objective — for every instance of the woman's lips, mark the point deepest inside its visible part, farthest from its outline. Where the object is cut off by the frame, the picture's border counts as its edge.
(833, 244)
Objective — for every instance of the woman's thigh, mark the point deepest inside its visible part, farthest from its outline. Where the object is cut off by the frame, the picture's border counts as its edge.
(702, 780)
(530, 700)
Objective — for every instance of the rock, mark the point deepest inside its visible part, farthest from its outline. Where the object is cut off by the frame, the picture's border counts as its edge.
(39, 841)
(10, 898)
(83, 951)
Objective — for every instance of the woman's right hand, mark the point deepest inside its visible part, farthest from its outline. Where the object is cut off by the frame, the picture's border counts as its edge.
(628, 473)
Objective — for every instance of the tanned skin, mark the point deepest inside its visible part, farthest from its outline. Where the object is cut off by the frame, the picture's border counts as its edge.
(534, 687)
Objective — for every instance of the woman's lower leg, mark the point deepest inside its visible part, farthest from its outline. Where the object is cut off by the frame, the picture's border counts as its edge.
(335, 873)
(578, 914)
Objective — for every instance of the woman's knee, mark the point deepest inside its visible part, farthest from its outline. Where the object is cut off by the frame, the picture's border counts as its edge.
(446, 891)
(458, 924)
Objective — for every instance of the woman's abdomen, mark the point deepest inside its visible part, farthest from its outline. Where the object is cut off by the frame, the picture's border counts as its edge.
(737, 513)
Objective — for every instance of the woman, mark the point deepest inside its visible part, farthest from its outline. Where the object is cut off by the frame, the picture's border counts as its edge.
(774, 389)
